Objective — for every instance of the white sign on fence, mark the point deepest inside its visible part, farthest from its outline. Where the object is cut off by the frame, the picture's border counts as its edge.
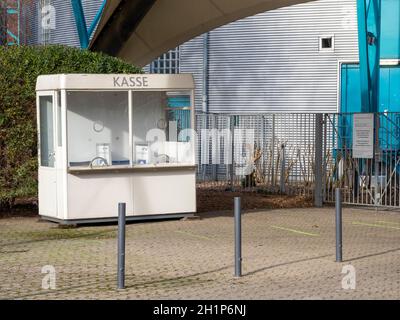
(363, 136)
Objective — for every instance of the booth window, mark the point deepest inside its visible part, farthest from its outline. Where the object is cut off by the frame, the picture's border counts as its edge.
(98, 128)
(160, 123)
(47, 154)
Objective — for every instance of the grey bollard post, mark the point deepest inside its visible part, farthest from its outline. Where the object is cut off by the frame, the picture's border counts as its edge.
(339, 245)
(238, 237)
(121, 245)
(283, 169)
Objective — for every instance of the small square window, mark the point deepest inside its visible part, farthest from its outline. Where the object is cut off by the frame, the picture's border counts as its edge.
(327, 43)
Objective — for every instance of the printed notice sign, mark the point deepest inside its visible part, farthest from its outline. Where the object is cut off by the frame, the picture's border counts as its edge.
(363, 136)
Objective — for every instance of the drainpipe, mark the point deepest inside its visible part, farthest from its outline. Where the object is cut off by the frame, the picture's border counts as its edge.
(206, 42)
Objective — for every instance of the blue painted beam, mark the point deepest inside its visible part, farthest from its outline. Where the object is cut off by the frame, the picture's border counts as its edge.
(363, 53)
(96, 19)
(80, 23)
(369, 35)
(81, 26)
(374, 29)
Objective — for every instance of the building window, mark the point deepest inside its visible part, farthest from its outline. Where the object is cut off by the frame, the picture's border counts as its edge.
(327, 43)
(168, 63)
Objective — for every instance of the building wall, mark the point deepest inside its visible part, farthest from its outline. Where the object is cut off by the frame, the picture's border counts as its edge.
(271, 62)
(13, 21)
(65, 28)
(191, 61)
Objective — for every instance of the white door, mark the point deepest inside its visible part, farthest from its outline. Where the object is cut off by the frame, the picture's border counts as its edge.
(47, 154)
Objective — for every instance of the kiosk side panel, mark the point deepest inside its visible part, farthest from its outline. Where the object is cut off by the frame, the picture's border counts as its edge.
(156, 192)
(94, 196)
(169, 192)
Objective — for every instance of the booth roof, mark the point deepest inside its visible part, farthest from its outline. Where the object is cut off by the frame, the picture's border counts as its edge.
(115, 82)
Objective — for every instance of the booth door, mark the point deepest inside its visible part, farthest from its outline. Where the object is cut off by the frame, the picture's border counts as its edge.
(47, 154)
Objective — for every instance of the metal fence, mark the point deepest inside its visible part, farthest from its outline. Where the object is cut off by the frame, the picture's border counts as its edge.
(299, 154)
(270, 152)
(373, 181)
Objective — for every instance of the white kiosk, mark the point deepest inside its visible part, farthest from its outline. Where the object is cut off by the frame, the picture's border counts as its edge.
(105, 139)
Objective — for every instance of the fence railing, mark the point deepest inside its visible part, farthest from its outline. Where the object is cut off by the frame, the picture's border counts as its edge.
(371, 182)
(276, 153)
(272, 152)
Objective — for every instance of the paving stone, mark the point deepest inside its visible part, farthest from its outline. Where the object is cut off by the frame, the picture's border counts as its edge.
(287, 254)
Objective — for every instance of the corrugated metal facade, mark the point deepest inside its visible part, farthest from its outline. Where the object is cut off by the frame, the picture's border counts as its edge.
(65, 32)
(271, 62)
(191, 61)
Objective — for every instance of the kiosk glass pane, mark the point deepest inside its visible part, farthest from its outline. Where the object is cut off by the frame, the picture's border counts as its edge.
(46, 131)
(161, 128)
(98, 128)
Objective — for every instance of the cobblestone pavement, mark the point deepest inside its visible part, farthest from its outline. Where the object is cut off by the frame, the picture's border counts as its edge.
(287, 254)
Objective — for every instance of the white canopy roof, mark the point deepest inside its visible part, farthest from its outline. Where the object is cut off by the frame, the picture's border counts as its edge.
(139, 31)
(117, 82)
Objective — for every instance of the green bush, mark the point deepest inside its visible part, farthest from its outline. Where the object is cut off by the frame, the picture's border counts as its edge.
(19, 69)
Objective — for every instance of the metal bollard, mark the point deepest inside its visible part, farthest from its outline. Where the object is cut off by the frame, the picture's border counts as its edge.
(339, 244)
(283, 169)
(238, 238)
(121, 245)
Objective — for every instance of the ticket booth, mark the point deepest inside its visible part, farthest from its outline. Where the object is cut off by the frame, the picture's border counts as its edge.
(106, 139)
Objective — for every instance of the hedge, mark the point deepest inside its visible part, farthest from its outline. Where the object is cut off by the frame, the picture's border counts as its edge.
(19, 69)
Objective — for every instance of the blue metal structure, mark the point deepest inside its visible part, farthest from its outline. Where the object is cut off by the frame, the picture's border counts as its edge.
(378, 39)
(388, 108)
(83, 31)
(389, 93)
(369, 38)
(379, 85)
(373, 87)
